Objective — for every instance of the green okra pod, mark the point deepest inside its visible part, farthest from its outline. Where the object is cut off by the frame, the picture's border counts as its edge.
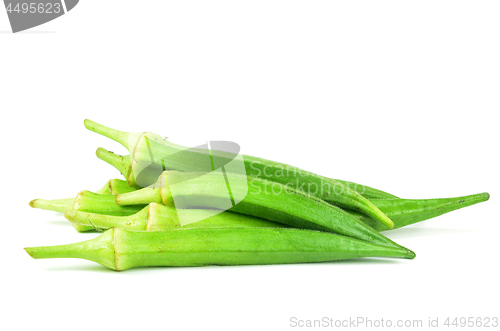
(120, 249)
(90, 202)
(156, 217)
(112, 186)
(122, 163)
(160, 154)
(265, 199)
(409, 211)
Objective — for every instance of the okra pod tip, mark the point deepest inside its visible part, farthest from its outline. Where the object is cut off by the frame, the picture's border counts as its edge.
(120, 137)
(485, 196)
(58, 205)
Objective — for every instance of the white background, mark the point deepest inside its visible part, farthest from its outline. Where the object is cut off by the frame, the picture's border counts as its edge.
(402, 96)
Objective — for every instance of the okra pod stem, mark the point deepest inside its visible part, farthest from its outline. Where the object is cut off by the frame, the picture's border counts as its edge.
(120, 249)
(121, 163)
(57, 205)
(87, 201)
(121, 137)
(112, 186)
(61, 205)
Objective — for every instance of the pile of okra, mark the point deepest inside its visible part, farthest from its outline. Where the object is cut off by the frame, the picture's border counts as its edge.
(169, 210)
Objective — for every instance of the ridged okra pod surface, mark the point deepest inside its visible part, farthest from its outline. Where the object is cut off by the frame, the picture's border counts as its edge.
(149, 148)
(156, 217)
(120, 249)
(263, 200)
(98, 202)
(405, 212)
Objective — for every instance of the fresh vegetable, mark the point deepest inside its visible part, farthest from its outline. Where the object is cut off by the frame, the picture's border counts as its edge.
(265, 199)
(122, 163)
(156, 217)
(148, 148)
(120, 249)
(112, 186)
(406, 211)
(87, 201)
(204, 206)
